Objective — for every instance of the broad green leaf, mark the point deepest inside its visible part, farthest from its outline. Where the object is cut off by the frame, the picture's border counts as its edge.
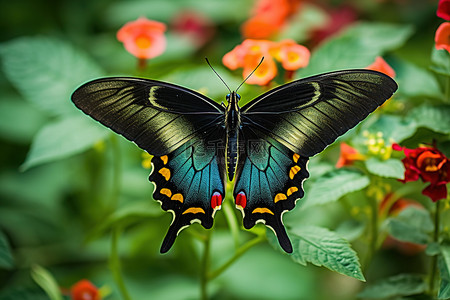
(46, 281)
(63, 138)
(399, 285)
(300, 25)
(333, 186)
(323, 247)
(393, 127)
(128, 215)
(6, 258)
(440, 61)
(444, 270)
(390, 168)
(19, 121)
(351, 229)
(416, 82)
(411, 225)
(436, 118)
(46, 71)
(356, 47)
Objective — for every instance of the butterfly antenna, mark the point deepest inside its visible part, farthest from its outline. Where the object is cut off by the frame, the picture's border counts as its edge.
(207, 61)
(250, 74)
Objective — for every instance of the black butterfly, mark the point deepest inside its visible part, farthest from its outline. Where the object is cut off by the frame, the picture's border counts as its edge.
(263, 146)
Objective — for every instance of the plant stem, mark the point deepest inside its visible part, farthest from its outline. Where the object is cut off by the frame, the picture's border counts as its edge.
(239, 252)
(436, 232)
(114, 263)
(232, 221)
(373, 236)
(117, 172)
(205, 267)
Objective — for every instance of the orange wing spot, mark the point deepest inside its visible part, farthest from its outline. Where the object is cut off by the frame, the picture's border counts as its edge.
(279, 197)
(166, 192)
(165, 172)
(294, 170)
(262, 210)
(164, 159)
(177, 197)
(194, 210)
(295, 157)
(291, 190)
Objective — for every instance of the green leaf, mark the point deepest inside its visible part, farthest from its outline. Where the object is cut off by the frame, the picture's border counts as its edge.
(333, 186)
(356, 47)
(63, 138)
(440, 61)
(436, 118)
(411, 225)
(23, 293)
(6, 258)
(46, 281)
(399, 285)
(444, 269)
(416, 82)
(393, 127)
(46, 71)
(19, 121)
(322, 247)
(390, 168)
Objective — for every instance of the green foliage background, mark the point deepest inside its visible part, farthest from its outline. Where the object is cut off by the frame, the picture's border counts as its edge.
(75, 201)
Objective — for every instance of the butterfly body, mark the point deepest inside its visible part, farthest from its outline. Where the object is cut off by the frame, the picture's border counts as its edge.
(263, 147)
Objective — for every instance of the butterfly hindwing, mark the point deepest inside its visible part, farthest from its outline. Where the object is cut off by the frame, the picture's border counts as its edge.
(190, 183)
(309, 114)
(269, 180)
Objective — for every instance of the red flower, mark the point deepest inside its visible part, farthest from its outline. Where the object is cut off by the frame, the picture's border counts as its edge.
(348, 156)
(442, 37)
(429, 164)
(269, 16)
(338, 20)
(143, 38)
(84, 290)
(248, 54)
(443, 10)
(382, 66)
(194, 25)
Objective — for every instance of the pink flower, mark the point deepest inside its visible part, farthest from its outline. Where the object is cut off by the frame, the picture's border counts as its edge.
(143, 38)
(443, 10)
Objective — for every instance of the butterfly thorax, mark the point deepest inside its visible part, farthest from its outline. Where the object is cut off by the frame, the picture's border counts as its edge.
(232, 125)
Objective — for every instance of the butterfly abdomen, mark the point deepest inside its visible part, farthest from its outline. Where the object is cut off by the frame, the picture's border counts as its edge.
(232, 125)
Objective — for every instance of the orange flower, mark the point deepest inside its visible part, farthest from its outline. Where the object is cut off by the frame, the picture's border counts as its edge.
(143, 38)
(382, 66)
(348, 156)
(248, 54)
(291, 55)
(84, 290)
(442, 37)
(269, 16)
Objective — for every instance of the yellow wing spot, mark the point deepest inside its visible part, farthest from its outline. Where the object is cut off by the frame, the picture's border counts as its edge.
(165, 172)
(279, 197)
(194, 210)
(291, 190)
(294, 170)
(262, 210)
(177, 197)
(164, 159)
(166, 192)
(295, 157)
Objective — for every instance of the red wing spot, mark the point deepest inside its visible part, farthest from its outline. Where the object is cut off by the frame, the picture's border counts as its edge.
(216, 200)
(241, 199)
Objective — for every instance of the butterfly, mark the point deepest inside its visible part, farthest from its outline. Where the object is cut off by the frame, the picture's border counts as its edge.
(263, 146)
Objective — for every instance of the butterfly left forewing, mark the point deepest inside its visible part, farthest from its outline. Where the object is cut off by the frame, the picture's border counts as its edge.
(269, 180)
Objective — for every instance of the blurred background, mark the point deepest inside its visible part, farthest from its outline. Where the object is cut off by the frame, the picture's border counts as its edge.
(67, 183)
